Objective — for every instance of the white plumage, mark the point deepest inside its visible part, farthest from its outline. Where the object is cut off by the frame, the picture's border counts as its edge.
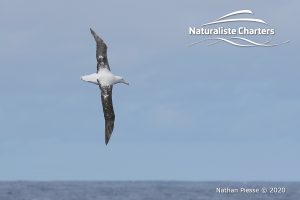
(105, 77)
(105, 80)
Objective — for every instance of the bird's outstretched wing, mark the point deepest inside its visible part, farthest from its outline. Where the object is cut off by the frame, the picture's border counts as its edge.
(108, 110)
(101, 52)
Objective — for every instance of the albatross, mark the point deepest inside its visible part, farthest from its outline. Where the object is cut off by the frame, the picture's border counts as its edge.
(105, 79)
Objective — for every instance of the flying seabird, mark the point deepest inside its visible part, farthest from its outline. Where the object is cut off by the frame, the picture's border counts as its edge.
(105, 80)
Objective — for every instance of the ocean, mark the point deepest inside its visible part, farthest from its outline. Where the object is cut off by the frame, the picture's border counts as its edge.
(148, 190)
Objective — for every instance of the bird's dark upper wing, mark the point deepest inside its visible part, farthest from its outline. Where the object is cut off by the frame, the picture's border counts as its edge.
(108, 111)
(101, 52)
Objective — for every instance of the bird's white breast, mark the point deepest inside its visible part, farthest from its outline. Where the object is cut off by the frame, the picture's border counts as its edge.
(104, 76)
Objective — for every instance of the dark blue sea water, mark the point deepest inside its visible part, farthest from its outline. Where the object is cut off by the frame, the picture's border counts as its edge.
(148, 190)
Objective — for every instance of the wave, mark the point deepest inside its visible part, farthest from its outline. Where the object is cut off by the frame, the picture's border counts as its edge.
(236, 20)
(236, 13)
(250, 42)
(223, 20)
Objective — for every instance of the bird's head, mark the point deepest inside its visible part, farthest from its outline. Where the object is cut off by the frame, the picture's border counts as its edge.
(83, 78)
(120, 79)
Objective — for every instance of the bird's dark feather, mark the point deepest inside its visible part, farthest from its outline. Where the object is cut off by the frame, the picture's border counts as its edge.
(108, 111)
(101, 52)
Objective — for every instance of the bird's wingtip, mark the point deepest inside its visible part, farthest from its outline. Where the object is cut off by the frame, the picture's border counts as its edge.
(106, 140)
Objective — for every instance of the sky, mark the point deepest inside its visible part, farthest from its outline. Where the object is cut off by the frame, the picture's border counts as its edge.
(200, 113)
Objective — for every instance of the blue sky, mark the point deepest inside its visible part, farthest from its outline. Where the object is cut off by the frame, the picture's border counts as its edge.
(190, 113)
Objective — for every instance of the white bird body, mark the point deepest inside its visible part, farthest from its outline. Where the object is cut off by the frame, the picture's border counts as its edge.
(104, 76)
(105, 80)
